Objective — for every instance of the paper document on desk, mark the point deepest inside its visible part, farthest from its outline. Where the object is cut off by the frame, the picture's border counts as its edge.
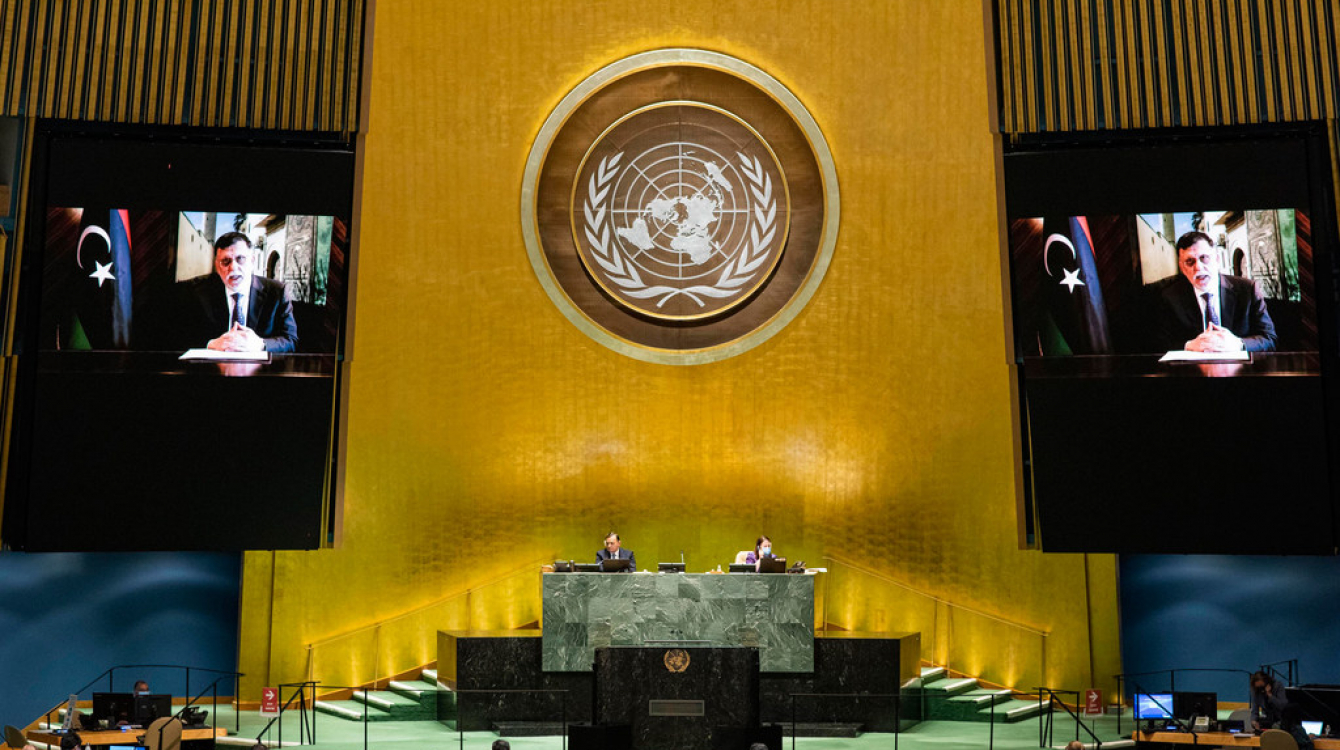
(1185, 356)
(213, 356)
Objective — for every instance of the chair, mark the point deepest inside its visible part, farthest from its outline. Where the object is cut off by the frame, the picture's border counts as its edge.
(1278, 739)
(15, 738)
(741, 555)
(165, 734)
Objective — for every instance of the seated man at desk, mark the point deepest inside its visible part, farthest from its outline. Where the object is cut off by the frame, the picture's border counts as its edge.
(614, 551)
(1203, 310)
(232, 309)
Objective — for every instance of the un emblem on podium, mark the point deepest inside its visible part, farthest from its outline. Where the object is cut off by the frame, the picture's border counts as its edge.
(680, 206)
(677, 660)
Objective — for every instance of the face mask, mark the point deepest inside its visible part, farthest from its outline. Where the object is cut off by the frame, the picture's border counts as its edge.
(765, 551)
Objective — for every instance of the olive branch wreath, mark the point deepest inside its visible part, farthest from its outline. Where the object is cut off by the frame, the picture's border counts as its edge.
(737, 272)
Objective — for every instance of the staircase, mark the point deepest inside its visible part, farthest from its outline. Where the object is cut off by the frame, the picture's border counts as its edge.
(401, 701)
(964, 699)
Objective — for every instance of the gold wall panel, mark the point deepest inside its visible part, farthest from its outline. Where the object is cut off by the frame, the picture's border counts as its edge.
(269, 64)
(1106, 65)
(485, 433)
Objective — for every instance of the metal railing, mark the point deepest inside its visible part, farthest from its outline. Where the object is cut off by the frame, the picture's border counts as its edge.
(110, 674)
(1046, 727)
(444, 613)
(306, 730)
(1289, 674)
(940, 603)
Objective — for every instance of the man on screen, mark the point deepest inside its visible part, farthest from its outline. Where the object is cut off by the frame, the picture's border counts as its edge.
(1203, 310)
(234, 310)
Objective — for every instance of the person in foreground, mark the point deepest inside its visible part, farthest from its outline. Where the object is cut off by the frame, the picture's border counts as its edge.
(1203, 310)
(1291, 721)
(614, 551)
(1268, 701)
(501, 745)
(234, 310)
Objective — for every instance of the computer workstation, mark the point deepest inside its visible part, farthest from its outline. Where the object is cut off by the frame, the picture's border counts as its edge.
(1177, 718)
(124, 718)
(112, 710)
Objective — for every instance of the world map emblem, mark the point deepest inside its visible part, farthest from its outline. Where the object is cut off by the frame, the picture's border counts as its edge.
(680, 206)
(680, 211)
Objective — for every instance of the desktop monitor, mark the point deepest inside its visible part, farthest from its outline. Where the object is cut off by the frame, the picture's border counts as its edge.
(1312, 727)
(1187, 705)
(116, 708)
(1153, 706)
(150, 707)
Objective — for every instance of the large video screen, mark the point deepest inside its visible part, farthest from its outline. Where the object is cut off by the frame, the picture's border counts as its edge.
(1174, 329)
(1137, 283)
(152, 280)
(179, 341)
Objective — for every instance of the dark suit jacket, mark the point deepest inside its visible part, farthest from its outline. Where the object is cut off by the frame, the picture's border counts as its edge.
(203, 310)
(624, 554)
(1242, 310)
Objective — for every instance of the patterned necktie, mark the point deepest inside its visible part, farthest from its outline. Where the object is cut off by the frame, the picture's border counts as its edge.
(1211, 315)
(237, 310)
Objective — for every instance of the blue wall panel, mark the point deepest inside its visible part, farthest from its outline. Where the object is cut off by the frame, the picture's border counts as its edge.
(1235, 612)
(64, 618)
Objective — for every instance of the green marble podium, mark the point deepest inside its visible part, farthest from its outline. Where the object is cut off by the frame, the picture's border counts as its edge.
(584, 611)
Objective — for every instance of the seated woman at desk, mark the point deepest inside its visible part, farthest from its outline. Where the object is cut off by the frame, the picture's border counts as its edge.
(762, 549)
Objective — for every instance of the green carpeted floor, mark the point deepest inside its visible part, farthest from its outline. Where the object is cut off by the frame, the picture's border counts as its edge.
(338, 734)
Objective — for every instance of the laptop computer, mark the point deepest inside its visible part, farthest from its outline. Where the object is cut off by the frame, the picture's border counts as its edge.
(772, 565)
(614, 566)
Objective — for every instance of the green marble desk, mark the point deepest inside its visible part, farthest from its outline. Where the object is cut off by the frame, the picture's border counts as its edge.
(583, 611)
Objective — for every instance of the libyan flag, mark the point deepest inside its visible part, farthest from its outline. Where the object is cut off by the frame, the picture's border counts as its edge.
(1074, 318)
(103, 284)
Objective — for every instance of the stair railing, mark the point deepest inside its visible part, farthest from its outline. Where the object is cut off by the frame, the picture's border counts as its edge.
(436, 608)
(1289, 674)
(305, 731)
(306, 719)
(940, 602)
(1046, 728)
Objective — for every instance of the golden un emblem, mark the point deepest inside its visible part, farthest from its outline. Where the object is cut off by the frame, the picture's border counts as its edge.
(677, 660)
(680, 206)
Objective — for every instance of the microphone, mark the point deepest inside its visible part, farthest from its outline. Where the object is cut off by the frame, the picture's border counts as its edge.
(681, 557)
